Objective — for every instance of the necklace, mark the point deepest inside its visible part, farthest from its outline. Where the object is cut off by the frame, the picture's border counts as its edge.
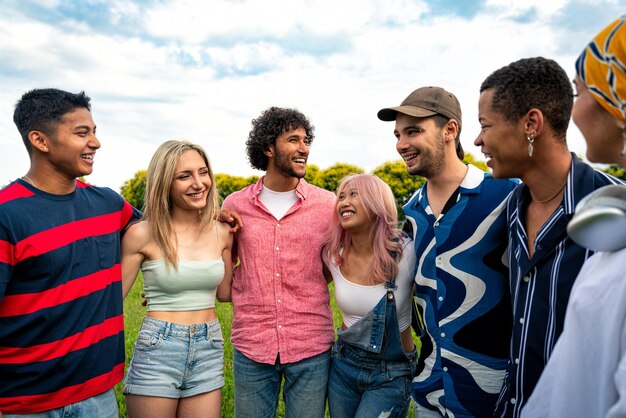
(551, 197)
(25, 177)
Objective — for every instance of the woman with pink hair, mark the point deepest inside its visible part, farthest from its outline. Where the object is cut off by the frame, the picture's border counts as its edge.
(374, 357)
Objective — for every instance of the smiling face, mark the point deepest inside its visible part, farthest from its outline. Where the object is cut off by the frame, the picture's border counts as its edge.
(420, 144)
(599, 127)
(192, 182)
(289, 154)
(350, 210)
(72, 147)
(501, 141)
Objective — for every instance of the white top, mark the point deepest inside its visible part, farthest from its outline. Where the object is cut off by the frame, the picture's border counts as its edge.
(356, 300)
(586, 374)
(278, 203)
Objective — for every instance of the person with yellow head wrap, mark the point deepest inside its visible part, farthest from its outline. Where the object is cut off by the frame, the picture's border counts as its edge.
(586, 373)
(600, 109)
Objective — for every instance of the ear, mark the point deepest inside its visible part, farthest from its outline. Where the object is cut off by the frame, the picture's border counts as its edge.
(38, 140)
(533, 122)
(269, 152)
(451, 130)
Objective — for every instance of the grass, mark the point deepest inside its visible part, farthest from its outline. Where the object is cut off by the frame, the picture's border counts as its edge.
(134, 313)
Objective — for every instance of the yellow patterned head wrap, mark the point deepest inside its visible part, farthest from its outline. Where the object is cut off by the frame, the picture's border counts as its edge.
(602, 67)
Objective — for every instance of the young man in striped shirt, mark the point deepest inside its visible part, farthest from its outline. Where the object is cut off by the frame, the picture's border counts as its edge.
(61, 321)
(524, 111)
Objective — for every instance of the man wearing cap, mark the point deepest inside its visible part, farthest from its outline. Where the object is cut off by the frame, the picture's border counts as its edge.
(458, 223)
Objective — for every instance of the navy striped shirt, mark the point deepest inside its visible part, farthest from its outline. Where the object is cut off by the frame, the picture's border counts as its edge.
(541, 285)
(61, 322)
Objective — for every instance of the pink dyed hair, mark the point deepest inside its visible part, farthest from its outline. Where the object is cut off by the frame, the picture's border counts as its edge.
(380, 207)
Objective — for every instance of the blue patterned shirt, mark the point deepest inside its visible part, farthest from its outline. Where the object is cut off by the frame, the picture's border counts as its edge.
(463, 296)
(540, 286)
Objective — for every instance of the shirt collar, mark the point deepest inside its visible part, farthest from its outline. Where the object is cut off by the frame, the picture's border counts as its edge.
(470, 184)
(301, 188)
(473, 180)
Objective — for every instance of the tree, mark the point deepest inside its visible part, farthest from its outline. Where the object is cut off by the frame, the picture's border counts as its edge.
(401, 182)
(469, 159)
(227, 184)
(134, 190)
(616, 171)
(329, 178)
(312, 174)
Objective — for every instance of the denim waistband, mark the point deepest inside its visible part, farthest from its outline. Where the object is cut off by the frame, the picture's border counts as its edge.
(370, 360)
(181, 330)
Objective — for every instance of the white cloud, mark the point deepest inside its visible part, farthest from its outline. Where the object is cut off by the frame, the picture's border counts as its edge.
(202, 70)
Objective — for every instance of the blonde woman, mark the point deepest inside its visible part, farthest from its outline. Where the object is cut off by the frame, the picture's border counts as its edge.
(184, 254)
(373, 359)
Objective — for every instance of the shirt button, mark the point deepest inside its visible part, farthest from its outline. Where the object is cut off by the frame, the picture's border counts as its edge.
(278, 301)
(443, 334)
(526, 279)
(445, 369)
(277, 248)
(513, 401)
(436, 223)
(521, 320)
(280, 326)
(277, 274)
(440, 298)
(516, 361)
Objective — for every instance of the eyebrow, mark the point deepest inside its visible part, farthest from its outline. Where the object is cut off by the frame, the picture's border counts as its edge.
(413, 126)
(79, 127)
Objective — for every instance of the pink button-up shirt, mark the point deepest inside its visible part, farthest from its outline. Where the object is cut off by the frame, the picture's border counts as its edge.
(280, 297)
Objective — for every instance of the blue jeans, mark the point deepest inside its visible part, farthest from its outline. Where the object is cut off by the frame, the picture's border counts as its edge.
(257, 386)
(370, 374)
(362, 387)
(101, 406)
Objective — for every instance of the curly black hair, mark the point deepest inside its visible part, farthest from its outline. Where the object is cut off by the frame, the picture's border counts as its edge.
(43, 109)
(533, 83)
(266, 129)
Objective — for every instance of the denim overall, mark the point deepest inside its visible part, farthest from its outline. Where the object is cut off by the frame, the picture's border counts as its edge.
(370, 374)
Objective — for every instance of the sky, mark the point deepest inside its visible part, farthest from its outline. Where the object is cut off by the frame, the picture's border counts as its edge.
(201, 70)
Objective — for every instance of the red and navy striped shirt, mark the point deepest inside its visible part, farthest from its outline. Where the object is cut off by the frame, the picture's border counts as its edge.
(61, 322)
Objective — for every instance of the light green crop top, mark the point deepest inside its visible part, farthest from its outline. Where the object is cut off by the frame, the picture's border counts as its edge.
(191, 288)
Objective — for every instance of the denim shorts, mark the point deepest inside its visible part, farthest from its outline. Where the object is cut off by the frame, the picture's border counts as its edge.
(176, 361)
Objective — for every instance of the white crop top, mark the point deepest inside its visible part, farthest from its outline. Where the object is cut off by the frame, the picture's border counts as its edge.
(191, 288)
(356, 300)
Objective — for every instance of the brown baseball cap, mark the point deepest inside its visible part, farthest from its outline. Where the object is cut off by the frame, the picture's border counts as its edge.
(423, 102)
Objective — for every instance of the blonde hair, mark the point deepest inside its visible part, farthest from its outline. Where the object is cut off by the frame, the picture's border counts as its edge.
(380, 206)
(158, 203)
